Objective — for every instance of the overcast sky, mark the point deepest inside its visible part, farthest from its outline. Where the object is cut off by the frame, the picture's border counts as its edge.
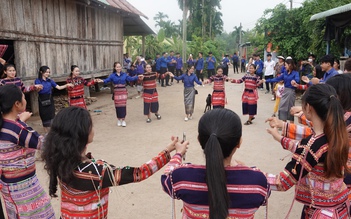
(234, 11)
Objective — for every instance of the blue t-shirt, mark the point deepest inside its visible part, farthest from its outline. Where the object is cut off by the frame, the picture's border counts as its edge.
(225, 62)
(120, 79)
(235, 58)
(200, 64)
(188, 79)
(158, 64)
(169, 61)
(287, 78)
(179, 63)
(163, 62)
(211, 61)
(259, 66)
(48, 84)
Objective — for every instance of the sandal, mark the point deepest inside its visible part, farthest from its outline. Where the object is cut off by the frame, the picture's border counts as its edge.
(252, 118)
(148, 120)
(158, 116)
(248, 122)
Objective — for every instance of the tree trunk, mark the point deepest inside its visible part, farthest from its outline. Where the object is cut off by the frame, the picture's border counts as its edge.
(185, 12)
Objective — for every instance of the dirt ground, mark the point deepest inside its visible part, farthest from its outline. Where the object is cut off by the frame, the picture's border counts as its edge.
(140, 141)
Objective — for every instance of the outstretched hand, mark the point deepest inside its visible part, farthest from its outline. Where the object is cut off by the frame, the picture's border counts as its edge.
(275, 134)
(24, 116)
(274, 122)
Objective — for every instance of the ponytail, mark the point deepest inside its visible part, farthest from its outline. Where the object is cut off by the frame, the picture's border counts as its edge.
(218, 196)
(323, 99)
(338, 142)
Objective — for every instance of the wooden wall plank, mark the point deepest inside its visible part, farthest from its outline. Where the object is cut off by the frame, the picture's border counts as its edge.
(17, 7)
(63, 18)
(30, 62)
(37, 18)
(56, 17)
(27, 15)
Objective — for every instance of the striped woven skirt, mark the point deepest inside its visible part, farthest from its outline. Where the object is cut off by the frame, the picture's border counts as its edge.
(189, 100)
(286, 102)
(218, 99)
(120, 100)
(150, 101)
(249, 99)
(77, 101)
(26, 199)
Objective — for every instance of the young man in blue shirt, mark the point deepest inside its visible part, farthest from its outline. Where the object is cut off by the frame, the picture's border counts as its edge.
(225, 64)
(199, 67)
(235, 60)
(211, 63)
(179, 65)
(259, 68)
(163, 69)
(171, 64)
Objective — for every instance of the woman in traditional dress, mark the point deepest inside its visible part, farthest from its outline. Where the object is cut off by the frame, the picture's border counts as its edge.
(319, 161)
(189, 91)
(288, 98)
(208, 191)
(120, 93)
(23, 195)
(150, 93)
(9, 77)
(250, 95)
(85, 181)
(218, 95)
(76, 93)
(45, 98)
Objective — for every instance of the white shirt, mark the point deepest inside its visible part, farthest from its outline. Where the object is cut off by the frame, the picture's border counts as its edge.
(269, 66)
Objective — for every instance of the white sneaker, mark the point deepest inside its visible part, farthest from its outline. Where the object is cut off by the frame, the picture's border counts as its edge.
(124, 124)
(186, 119)
(190, 117)
(137, 97)
(119, 123)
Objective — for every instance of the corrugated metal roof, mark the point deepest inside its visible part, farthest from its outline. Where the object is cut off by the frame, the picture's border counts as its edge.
(123, 5)
(338, 10)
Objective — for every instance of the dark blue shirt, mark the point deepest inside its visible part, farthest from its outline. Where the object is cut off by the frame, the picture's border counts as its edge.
(243, 60)
(48, 84)
(211, 61)
(332, 72)
(131, 72)
(169, 61)
(179, 63)
(235, 58)
(158, 64)
(120, 79)
(259, 66)
(200, 64)
(163, 62)
(225, 62)
(140, 67)
(188, 79)
(287, 78)
(190, 62)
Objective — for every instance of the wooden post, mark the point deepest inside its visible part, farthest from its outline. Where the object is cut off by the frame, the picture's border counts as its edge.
(143, 45)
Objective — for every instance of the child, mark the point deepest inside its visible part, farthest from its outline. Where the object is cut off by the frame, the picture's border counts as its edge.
(218, 94)
(250, 96)
(278, 89)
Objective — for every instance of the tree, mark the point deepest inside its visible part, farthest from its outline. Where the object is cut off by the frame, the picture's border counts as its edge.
(159, 17)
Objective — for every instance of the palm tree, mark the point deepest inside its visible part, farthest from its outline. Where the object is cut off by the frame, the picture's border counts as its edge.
(159, 19)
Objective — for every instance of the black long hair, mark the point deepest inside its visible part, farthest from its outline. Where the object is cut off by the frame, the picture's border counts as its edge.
(342, 85)
(323, 99)
(220, 132)
(4, 68)
(65, 143)
(42, 70)
(72, 68)
(9, 95)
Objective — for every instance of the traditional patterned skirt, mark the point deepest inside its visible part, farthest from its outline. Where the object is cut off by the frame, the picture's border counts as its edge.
(120, 99)
(249, 99)
(150, 101)
(286, 102)
(47, 113)
(77, 101)
(26, 199)
(189, 100)
(218, 99)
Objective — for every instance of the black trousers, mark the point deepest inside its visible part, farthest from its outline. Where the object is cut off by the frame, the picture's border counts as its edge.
(235, 66)
(171, 69)
(162, 71)
(210, 72)
(199, 75)
(267, 84)
(225, 71)
(242, 67)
